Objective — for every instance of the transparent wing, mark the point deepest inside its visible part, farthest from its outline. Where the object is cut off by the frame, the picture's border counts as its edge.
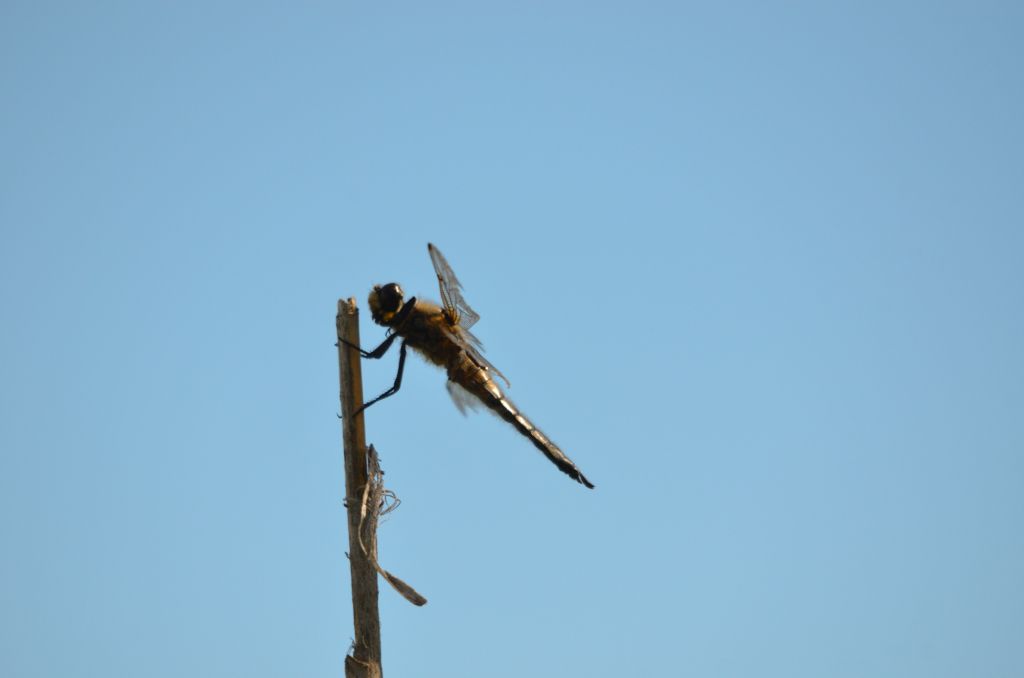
(463, 399)
(460, 312)
(451, 292)
(471, 345)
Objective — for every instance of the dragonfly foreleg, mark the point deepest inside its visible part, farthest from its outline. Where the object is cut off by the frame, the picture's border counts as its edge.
(398, 377)
(375, 353)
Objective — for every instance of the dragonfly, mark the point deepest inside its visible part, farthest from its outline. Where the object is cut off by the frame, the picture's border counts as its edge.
(441, 334)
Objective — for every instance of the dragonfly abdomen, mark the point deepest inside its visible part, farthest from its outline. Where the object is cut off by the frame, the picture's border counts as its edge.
(480, 384)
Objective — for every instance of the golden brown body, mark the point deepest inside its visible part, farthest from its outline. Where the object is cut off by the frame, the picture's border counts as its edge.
(435, 332)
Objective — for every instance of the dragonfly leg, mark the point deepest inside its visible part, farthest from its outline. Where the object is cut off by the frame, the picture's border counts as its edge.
(398, 379)
(407, 308)
(375, 353)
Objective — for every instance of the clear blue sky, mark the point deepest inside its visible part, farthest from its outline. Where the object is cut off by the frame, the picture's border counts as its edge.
(757, 267)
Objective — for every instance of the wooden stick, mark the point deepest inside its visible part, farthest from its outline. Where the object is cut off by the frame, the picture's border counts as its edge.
(364, 662)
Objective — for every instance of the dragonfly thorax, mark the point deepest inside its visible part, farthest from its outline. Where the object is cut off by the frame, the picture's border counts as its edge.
(385, 302)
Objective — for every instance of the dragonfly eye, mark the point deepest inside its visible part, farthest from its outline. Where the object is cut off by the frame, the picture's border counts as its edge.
(385, 302)
(390, 297)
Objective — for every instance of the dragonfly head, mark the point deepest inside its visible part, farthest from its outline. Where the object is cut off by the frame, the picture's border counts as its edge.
(385, 301)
